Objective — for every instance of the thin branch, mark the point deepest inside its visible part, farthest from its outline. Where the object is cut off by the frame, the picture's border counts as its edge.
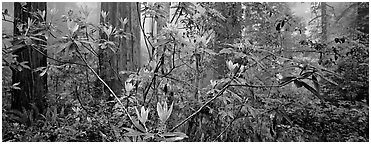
(314, 18)
(230, 123)
(206, 103)
(56, 59)
(178, 8)
(345, 11)
(225, 87)
(144, 34)
(105, 84)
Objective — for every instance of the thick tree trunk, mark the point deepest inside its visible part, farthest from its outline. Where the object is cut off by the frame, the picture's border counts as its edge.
(33, 86)
(363, 21)
(128, 55)
(324, 31)
(228, 31)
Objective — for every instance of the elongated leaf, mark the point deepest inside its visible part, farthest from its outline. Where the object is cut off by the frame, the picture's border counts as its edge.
(126, 139)
(24, 64)
(308, 87)
(283, 113)
(137, 125)
(173, 139)
(286, 80)
(328, 80)
(169, 111)
(38, 39)
(306, 74)
(43, 72)
(315, 83)
(160, 110)
(226, 50)
(132, 132)
(298, 83)
(16, 47)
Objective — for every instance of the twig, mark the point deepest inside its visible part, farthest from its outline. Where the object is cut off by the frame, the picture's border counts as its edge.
(56, 59)
(105, 84)
(230, 123)
(144, 34)
(226, 85)
(206, 103)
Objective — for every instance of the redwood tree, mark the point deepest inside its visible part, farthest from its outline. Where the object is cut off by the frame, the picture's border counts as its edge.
(33, 87)
(127, 55)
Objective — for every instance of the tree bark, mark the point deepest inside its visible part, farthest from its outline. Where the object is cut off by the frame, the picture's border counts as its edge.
(128, 55)
(228, 31)
(363, 21)
(324, 31)
(33, 86)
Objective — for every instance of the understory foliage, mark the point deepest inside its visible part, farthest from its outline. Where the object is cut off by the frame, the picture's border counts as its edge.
(273, 88)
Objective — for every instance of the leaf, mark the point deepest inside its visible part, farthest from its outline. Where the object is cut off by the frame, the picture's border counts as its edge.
(43, 72)
(123, 22)
(306, 74)
(116, 131)
(23, 64)
(251, 110)
(132, 132)
(298, 83)
(16, 47)
(137, 125)
(226, 50)
(328, 79)
(286, 80)
(104, 14)
(127, 139)
(315, 83)
(63, 47)
(16, 86)
(283, 113)
(38, 39)
(308, 87)
(148, 135)
(170, 111)
(174, 136)
(160, 110)
(208, 51)
(75, 28)
(235, 95)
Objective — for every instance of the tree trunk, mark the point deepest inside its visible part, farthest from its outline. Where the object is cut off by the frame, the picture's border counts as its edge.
(324, 31)
(33, 86)
(127, 58)
(363, 21)
(228, 31)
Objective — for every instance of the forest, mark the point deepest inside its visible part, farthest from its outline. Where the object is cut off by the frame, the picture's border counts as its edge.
(185, 72)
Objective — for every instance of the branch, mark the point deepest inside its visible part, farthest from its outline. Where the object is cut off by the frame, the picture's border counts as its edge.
(178, 8)
(105, 84)
(144, 34)
(345, 11)
(206, 103)
(314, 18)
(265, 86)
(230, 123)
(226, 85)
(56, 59)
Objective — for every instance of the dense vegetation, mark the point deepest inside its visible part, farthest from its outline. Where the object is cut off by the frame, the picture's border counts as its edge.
(215, 72)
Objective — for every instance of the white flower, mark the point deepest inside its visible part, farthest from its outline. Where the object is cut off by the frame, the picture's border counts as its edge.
(128, 87)
(213, 83)
(142, 115)
(163, 112)
(230, 65)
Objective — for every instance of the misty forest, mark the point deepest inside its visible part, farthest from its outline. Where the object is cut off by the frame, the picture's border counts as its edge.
(185, 71)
